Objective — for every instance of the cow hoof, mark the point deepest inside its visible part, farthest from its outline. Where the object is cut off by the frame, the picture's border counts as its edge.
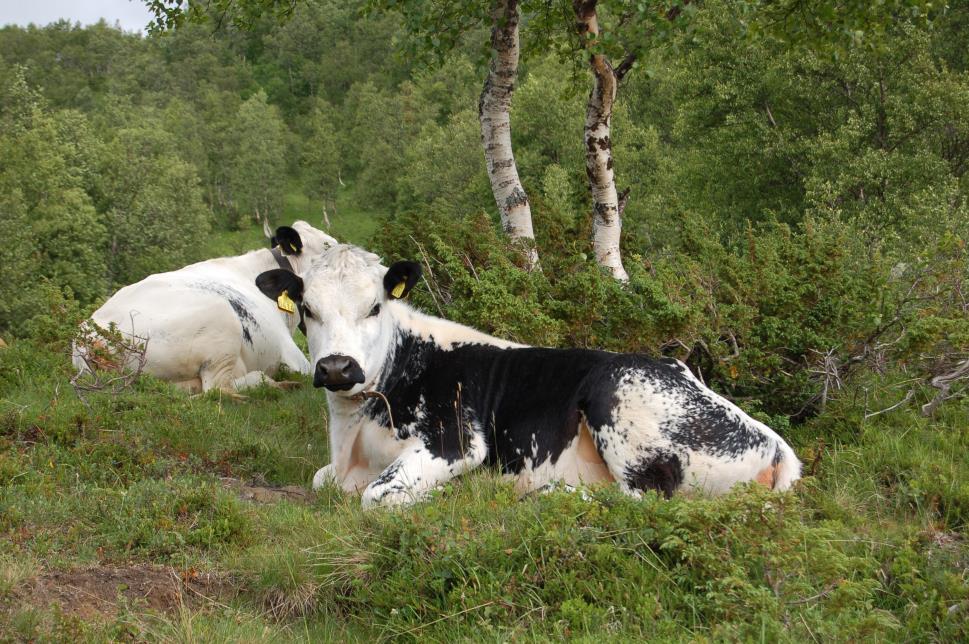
(288, 385)
(324, 476)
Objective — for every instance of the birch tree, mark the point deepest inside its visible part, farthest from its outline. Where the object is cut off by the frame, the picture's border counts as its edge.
(607, 203)
(597, 136)
(494, 113)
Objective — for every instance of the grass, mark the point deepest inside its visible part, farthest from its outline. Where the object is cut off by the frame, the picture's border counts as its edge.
(871, 546)
(348, 223)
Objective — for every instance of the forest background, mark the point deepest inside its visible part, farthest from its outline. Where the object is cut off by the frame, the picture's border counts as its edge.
(795, 231)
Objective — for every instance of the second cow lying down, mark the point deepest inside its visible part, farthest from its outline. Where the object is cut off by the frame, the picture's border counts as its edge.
(454, 398)
(206, 326)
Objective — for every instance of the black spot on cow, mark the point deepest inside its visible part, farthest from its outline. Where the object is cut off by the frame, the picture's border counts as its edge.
(703, 426)
(387, 475)
(662, 472)
(246, 336)
(236, 300)
(240, 310)
(527, 403)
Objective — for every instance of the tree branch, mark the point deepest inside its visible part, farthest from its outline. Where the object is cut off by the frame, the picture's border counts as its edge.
(623, 200)
(625, 65)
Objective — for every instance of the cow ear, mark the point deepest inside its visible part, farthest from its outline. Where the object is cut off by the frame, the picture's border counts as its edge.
(288, 240)
(278, 281)
(401, 278)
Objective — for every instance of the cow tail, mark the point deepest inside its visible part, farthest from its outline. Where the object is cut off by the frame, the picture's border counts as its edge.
(787, 467)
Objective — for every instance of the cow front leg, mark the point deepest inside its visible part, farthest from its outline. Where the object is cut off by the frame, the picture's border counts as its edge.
(326, 475)
(416, 472)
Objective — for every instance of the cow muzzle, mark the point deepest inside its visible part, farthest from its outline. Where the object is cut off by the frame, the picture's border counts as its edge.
(337, 373)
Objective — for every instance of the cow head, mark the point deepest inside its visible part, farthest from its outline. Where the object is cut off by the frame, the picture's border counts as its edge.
(346, 296)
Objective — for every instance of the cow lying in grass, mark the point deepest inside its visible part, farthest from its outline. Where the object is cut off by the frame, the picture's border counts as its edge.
(452, 398)
(206, 326)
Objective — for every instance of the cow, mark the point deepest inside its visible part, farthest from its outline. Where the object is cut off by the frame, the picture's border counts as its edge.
(206, 326)
(416, 400)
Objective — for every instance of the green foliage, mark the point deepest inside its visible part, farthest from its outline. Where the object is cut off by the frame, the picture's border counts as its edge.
(47, 212)
(444, 170)
(257, 161)
(152, 203)
(321, 159)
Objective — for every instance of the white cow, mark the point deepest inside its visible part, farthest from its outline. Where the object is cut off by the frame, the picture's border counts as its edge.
(207, 326)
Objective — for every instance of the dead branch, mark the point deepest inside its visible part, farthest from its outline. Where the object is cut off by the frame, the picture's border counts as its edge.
(908, 397)
(112, 361)
(432, 282)
(623, 200)
(943, 383)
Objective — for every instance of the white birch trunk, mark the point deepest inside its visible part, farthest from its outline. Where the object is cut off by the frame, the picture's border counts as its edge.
(607, 214)
(494, 113)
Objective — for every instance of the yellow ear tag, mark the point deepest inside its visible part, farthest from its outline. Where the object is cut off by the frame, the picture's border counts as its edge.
(284, 303)
(399, 290)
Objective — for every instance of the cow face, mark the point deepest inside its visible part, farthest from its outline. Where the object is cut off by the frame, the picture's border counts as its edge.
(349, 327)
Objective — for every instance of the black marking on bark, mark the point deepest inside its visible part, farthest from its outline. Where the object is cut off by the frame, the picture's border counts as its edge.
(516, 198)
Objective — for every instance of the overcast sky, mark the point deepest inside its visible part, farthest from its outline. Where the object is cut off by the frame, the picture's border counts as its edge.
(131, 14)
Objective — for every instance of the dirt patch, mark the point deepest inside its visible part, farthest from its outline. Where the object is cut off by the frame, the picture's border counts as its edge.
(267, 493)
(97, 592)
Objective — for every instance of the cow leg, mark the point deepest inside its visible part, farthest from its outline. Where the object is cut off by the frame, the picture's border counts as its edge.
(192, 385)
(416, 472)
(251, 379)
(355, 480)
(326, 475)
(230, 375)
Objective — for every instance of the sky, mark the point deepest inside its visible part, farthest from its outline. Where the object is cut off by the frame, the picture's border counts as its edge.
(131, 14)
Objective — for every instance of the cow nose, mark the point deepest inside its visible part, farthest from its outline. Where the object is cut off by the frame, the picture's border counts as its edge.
(337, 373)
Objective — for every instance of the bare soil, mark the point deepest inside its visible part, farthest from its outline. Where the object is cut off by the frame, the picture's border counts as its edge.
(267, 493)
(100, 591)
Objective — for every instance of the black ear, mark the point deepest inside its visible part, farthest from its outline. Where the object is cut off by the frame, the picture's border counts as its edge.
(401, 278)
(273, 283)
(288, 241)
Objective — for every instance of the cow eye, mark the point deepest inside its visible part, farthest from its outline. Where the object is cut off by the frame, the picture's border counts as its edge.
(374, 311)
(307, 313)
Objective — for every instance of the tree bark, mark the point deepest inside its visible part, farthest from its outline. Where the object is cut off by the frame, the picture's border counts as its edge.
(607, 216)
(494, 113)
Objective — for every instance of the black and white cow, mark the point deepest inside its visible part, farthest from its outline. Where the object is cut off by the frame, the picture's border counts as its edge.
(207, 326)
(453, 398)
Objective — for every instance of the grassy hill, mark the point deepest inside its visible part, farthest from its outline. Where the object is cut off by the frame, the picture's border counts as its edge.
(150, 515)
